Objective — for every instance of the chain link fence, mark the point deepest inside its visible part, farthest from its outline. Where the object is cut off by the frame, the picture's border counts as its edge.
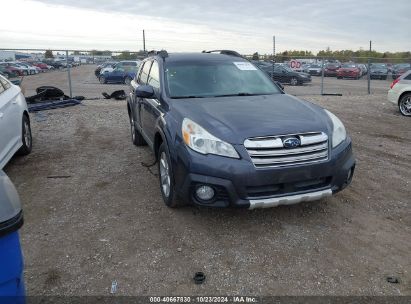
(92, 73)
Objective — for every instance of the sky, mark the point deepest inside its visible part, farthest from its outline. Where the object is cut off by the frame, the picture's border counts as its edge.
(193, 25)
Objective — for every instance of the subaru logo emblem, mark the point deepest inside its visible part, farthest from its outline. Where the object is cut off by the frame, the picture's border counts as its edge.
(291, 142)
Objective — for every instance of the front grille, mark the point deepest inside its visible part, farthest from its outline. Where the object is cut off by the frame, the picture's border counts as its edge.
(270, 151)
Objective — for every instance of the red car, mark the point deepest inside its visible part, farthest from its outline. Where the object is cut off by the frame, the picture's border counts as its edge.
(349, 70)
(331, 69)
(12, 69)
(41, 65)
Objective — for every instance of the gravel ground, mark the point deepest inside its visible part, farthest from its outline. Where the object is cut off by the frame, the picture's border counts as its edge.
(94, 214)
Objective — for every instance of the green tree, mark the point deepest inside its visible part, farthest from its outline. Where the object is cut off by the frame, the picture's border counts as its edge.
(48, 54)
(256, 56)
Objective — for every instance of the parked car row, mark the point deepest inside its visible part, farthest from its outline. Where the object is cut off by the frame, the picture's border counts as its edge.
(10, 69)
(117, 72)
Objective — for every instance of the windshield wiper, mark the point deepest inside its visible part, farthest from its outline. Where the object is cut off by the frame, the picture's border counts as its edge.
(189, 96)
(237, 94)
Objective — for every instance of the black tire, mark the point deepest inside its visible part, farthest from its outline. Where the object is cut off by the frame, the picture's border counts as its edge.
(26, 137)
(25, 73)
(171, 200)
(136, 137)
(339, 77)
(102, 79)
(127, 80)
(405, 99)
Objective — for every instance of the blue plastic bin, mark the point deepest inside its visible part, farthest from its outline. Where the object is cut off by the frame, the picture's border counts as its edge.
(11, 260)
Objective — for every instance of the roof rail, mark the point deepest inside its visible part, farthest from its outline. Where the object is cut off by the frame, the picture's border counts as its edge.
(225, 52)
(162, 53)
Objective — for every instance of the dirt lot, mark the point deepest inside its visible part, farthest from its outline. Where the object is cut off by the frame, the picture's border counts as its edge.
(94, 214)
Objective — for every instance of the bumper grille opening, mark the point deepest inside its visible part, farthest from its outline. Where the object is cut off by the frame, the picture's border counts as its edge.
(288, 188)
(270, 151)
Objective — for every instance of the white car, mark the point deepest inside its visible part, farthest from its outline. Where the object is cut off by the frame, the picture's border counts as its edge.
(121, 64)
(15, 131)
(400, 93)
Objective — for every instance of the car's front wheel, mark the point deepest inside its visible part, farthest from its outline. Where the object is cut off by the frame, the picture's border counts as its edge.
(165, 171)
(102, 79)
(25, 137)
(294, 81)
(405, 105)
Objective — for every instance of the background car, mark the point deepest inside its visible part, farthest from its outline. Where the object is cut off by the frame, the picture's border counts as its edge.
(12, 69)
(15, 131)
(363, 68)
(284, 74)
(378, 71)
(400, 93)
(349, 70)
(31, 70)
(119, 75)
(121, 64)
(102, 66)
(330, 69)
(400, 69)
(315, 70)
(6, 73)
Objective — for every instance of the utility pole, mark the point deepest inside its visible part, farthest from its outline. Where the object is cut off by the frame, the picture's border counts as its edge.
(369, 72)
(144, 42)
(370, 47)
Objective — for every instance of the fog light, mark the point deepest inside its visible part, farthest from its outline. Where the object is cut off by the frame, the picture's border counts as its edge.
(205, 193)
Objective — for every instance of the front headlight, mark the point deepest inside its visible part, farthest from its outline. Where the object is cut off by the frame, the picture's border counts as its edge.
(339, 133)
(198, 139)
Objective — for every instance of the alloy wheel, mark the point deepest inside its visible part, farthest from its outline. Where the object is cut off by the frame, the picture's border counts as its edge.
(165, 174)
(405, 106)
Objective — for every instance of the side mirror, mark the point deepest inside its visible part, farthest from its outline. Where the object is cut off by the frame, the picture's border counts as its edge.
(144, 91)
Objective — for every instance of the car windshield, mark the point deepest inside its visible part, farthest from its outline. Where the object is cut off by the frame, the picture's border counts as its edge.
(216, 79)
(378, 66)
(348, 66)
(287, 68)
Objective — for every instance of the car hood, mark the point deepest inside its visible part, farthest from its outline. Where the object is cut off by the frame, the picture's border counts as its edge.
(349, 69)
(234, 119)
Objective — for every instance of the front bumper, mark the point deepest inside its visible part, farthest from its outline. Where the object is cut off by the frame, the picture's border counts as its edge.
(238, 183)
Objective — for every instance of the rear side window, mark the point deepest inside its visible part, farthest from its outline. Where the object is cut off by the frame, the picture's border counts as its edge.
(154, 78)
(1, 86)
(144, 73)
(408, 77)
(5, 83)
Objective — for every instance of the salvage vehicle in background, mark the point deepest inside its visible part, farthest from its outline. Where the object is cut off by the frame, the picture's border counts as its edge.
(15, 131)
(121, 64)
(283, 73)
(224, 135)
(12, 69)
(349, 70)
(331, 69)
(119, 75)
(102, 66)
(400, 93)
(400, 69)
(315, 70)
(378, 71)
(7, 73)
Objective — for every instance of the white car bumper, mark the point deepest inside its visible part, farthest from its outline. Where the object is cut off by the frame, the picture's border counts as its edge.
(393, 97)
